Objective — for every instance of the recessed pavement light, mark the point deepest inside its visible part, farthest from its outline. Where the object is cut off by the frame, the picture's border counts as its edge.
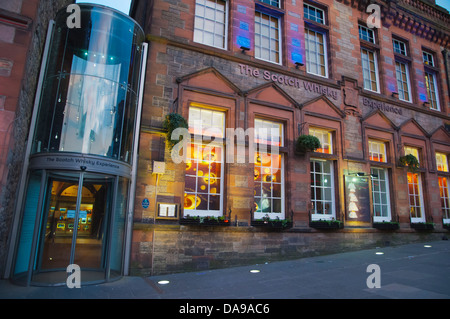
(254, 271)
(163, 282)
(379, 253)
(427, 246)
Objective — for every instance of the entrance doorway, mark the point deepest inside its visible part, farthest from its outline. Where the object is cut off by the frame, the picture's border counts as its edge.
(80, 219)
(74, 223)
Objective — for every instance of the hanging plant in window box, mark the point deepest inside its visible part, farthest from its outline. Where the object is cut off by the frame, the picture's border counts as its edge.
(272, 223)
(410, 161)
(306, 143)
(326, 224)
(386, 225)
(205, 220)
(422, 226)
(171, 122)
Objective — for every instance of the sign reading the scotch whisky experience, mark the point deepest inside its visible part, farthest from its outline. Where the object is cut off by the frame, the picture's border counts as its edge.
(289, 81)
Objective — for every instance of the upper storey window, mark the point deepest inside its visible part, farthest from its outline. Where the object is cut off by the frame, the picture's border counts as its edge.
(431, 76)
(399, 47)
(267, 37)
(312, 13)
(275, 3)
(428, 58)
(210, 24)
(366, 34)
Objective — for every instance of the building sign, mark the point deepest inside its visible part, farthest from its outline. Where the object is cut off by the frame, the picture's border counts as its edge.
(373, 104)
(357, 198)
(289, 81)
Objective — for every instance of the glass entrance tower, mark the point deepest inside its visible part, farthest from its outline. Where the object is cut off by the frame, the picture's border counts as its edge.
(80, 157)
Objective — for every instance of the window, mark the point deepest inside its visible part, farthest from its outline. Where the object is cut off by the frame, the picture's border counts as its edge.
(377, 151)
(269, 185)
(399, 47)
(315, 50)
(413, 151)
(402, 75)
(267, 37)
(203, 193)
(203, 181)
(445, 199)
(268, 132)
(322, 189)
(416, 205)
(274, 3)
(370, 69)
(432, 93)
(380, 195)
(324, 136)
(206, 122)
(441, 162)
(366, 34)
(313, 13)
(210, 24)
(428, 58)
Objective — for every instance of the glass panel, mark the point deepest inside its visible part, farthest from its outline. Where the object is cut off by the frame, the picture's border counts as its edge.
(23, 252)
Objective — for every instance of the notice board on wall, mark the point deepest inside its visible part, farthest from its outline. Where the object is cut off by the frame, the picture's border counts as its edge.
(357, 198)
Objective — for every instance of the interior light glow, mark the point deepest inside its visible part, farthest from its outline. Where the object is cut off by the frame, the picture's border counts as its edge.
(254, 271)
(379, 253)
(163, 282)
(427, 246)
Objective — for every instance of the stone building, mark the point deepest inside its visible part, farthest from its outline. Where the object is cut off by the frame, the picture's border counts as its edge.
(370, 82)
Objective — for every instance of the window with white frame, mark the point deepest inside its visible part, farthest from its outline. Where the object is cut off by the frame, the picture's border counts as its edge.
(366, 34)
(445, 198)
(325, 138)
(399, 47)
(322, 189)
(203, 193)
(370, 69)
(210, 23)
(377, 151)
(267, 37)
(268, 132)
(316, 53)
(268, 186)
(313, 13)
(432, 92)
(441, 162)
(403, 84)
(427, 58)
(416, 205)
(204, 121)
(380, 194)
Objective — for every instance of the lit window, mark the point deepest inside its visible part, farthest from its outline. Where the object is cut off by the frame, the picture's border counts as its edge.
(413, 151)
(315, 50)
(427, 58)
(445, 199)
(380, 194)
(322, 189)
(370, 69)
(402, 75)
(268, 132)
(432, 92)
(268, 185)
(377, 151)
(210, 24)
(399, 47)
(204, 181)
(267, 37)
(313, 13)
(206, 122)
(416, 205)
(366, 34)
(441, 162)
(326, 145)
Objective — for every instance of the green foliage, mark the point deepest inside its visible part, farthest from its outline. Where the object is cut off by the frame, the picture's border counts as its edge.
(307, 143)
(410, 161)
(171, 122)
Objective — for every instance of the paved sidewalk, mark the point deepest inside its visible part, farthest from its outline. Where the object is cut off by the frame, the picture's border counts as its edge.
(414, 271)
